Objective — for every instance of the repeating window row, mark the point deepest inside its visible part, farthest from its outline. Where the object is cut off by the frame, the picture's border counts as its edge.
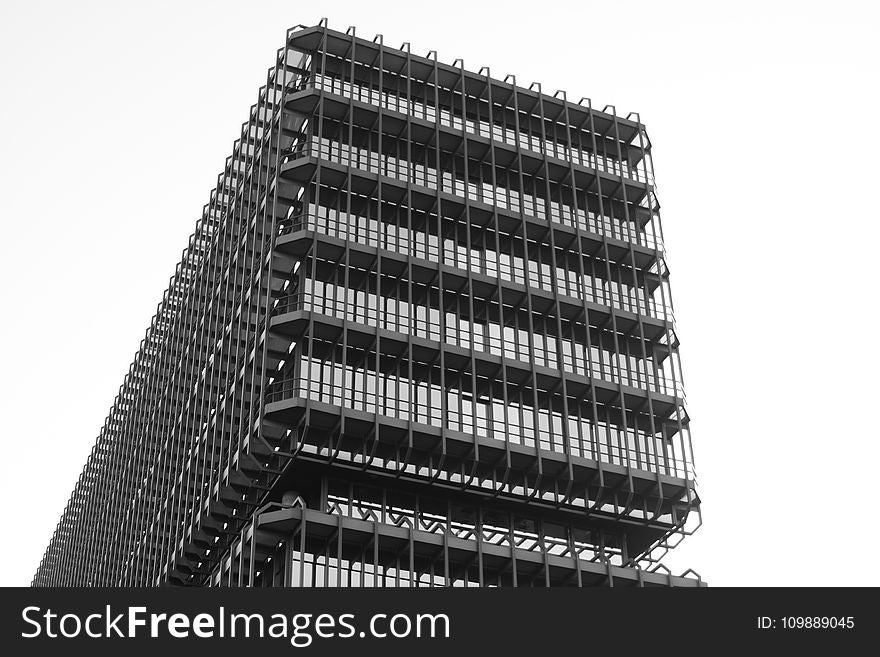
(489, 262)
(536, 143)
(484, 192)
(521, 419)
(600, 360)
(592, 145)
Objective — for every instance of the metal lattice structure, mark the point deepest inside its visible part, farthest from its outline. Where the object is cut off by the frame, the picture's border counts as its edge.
(422, 335)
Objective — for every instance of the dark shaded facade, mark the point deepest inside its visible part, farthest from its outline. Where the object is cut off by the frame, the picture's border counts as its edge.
(421, 336)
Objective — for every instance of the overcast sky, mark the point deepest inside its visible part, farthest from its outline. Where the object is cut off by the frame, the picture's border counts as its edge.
(119, 116)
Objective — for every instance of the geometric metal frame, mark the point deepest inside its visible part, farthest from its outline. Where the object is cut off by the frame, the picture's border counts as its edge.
(421, 335)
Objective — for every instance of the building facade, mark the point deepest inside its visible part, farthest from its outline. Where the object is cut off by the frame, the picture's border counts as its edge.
(421, 336)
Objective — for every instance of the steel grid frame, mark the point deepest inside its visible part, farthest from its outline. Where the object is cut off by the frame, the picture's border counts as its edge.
(411, 271)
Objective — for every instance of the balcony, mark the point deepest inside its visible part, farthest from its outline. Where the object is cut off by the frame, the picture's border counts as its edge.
(425, 181)
(426, 272)
(515, 428)
(489, 263)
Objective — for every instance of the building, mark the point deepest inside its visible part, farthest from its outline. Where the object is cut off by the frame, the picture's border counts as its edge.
(422, 335)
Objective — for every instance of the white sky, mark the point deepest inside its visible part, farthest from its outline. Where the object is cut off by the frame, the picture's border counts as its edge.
(763, 119)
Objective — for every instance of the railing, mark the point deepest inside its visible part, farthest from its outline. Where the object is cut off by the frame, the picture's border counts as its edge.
(510, 136)
(488, 263)
(301, 82)
(301, 148)
(293, 224)
(492, 535)
(500, 197)
(289, 303)
(543, 350)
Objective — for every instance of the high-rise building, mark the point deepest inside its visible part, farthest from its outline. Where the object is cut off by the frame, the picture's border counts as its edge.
(421, 336)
